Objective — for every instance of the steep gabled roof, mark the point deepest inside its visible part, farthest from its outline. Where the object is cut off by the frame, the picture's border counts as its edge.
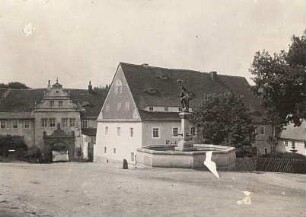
(17, 100)
(155, 86)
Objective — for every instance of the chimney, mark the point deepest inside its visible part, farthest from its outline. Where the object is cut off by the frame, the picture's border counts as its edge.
(213, 75)
(89, 87)
(49, 85)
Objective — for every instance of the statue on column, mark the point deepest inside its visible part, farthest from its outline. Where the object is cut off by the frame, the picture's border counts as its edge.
(184, 97)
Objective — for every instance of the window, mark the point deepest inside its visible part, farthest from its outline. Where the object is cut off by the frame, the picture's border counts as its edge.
(155, 132)
(132, 156)
(84, 124)
(180, 109)
(261, 130)
(192, 131)
(105, 149)
(51, 103)
(51, 122)
(151, 108)
(44, 122)
(286, 143)
(118, 86)
(166, 109)
(106, 131)
(64, 122)
(174, 131)
(127, 106)
(72, 122)
(107, 108)
(293, 145)
(15, 124)
(3, 124)
(26, 124)
(266, 151)
(118, 106)
(118, 131)
(114, 150)
(60, 103)
(131, 132)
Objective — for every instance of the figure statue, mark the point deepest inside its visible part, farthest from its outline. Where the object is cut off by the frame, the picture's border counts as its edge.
(184, 97)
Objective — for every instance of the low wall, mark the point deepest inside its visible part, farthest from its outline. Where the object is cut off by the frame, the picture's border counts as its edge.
(165, 156)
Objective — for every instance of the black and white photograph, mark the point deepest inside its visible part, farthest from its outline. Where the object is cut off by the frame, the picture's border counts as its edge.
(152, 108)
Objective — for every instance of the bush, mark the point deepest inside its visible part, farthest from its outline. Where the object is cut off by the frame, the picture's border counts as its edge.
(12, 145)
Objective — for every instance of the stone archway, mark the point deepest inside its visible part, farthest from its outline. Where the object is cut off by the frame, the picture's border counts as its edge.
(59, 141)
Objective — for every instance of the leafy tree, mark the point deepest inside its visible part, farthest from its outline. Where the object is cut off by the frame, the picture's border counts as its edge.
(225, 120)
(280, 83)
(14, 85)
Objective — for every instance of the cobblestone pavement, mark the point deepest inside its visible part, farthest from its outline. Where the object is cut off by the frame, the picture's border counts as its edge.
(91, 189)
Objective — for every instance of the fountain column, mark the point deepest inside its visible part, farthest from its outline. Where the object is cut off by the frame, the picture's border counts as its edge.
(185, 144)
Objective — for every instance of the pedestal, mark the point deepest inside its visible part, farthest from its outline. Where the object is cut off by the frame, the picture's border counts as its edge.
(185, 144)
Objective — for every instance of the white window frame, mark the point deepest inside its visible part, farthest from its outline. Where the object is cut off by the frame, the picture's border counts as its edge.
(44, 122)
(64, 122)
(51, 121)
(119, 105)
(127, 106)
(193, 128)
(118, 86)
(72, 122)
(158, 128)
(26, 124)
(15, 123)
(173, 135)
(84, 123)
(3, 124)
(107, 108)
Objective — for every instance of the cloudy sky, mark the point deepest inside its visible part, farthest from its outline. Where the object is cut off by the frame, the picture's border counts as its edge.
(82, 40)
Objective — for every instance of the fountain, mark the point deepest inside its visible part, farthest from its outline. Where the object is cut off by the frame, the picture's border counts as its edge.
(187, 154)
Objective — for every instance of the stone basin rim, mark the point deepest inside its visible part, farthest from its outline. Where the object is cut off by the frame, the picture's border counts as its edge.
(218, 150)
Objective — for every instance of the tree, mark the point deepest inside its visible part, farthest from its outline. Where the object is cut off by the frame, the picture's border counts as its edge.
(14, 85)
(225, 120)
(280, 83)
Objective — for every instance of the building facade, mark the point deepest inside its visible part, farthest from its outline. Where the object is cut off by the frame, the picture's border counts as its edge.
(293, 139)
(142, 108)
(52, 114)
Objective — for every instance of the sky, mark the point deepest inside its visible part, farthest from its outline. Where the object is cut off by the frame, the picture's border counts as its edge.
(82, 40)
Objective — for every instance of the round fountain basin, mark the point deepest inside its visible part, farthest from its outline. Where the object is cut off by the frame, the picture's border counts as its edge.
(167, 156)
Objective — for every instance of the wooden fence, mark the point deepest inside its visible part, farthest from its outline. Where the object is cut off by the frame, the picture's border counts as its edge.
(286, 165)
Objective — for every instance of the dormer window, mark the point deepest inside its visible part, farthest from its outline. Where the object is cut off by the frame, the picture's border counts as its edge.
(118, 86)
(151, 91)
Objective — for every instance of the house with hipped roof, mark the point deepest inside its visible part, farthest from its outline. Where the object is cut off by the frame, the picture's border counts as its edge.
(52, 117)
(142, 106)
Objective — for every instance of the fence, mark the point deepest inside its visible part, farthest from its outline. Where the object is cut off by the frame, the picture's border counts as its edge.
(286, 165)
